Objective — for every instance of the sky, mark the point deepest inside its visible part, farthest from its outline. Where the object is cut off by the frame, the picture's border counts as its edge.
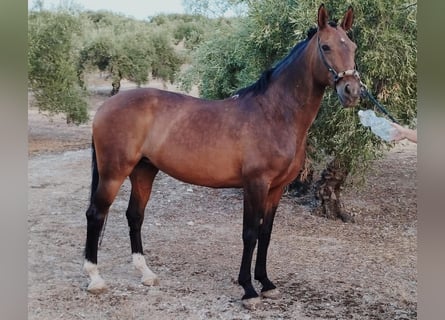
(139, 9)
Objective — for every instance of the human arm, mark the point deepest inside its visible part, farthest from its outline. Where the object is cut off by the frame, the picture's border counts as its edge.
(404, 133)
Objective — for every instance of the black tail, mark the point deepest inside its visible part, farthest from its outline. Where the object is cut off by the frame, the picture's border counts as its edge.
(94, 185)
(94, 172)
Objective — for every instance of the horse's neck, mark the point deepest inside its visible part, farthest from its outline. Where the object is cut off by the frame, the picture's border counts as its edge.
(298, 93)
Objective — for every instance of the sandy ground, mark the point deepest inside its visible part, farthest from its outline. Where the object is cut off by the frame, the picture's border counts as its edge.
(192, 236)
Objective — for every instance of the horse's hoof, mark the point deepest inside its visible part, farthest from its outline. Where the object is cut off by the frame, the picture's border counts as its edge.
(252, 303)
(97, 286)
(273, 294)
(150, 281)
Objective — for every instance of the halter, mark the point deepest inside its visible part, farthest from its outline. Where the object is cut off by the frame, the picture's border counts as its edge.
(337, 75)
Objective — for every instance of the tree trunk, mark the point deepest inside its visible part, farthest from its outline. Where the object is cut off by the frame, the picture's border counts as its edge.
(116, 86)
(328, 192)
(116, 77)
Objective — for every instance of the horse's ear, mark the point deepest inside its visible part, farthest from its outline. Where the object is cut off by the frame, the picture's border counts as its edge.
(346, 23)
(323, 17)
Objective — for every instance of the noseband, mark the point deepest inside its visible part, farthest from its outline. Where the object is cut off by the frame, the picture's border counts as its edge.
(337, 75)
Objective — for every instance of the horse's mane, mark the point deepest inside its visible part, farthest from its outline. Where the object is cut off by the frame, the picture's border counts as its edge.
(261, 85)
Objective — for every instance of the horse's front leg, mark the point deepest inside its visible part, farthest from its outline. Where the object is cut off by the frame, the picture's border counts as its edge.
(269, 289)
(255, 193)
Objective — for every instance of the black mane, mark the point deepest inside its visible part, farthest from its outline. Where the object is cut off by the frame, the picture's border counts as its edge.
(261, 85)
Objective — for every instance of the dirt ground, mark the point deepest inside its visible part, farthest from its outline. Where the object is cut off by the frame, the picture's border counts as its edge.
(192, 235)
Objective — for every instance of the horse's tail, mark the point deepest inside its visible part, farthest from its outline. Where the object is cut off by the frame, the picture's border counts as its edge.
(94, 172)
(94, 185)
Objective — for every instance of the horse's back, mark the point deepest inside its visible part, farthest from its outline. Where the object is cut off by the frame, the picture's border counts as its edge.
(133, 111)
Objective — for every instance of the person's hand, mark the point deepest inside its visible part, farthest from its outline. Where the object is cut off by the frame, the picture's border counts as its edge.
(404, 133)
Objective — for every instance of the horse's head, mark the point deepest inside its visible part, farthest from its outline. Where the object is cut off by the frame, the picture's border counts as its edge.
(336, 57)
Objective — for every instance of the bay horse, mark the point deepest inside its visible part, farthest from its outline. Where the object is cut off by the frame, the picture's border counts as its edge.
(254, 140)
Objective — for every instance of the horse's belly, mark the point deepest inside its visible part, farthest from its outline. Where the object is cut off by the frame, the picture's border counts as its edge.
(203, 170)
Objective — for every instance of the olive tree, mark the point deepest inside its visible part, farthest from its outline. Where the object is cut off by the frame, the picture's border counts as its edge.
(128, 49)
(125, 57)
(52, 60)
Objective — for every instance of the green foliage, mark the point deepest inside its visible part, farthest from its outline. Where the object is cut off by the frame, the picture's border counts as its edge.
(52, 65)
(122, 47)
(271, 30)
(192, 33)
(236, 55)
(385, 32)
(191, 29)
(66, 44)
(129, 49)
(167, 63)
(220, 78)
(214, 8)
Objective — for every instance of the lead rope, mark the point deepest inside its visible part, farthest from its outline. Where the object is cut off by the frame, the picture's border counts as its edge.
(366, 93)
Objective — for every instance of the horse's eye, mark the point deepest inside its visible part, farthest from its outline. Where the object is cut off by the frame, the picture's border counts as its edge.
(325, 47)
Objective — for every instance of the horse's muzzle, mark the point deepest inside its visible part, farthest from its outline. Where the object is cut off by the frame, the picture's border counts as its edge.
(349, 91)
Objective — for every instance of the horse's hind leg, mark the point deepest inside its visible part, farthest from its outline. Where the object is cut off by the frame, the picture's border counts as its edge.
(96, 213)
(141, 183)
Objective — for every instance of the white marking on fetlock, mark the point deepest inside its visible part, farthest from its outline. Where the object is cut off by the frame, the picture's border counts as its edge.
(148, 277)
(97, 284)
